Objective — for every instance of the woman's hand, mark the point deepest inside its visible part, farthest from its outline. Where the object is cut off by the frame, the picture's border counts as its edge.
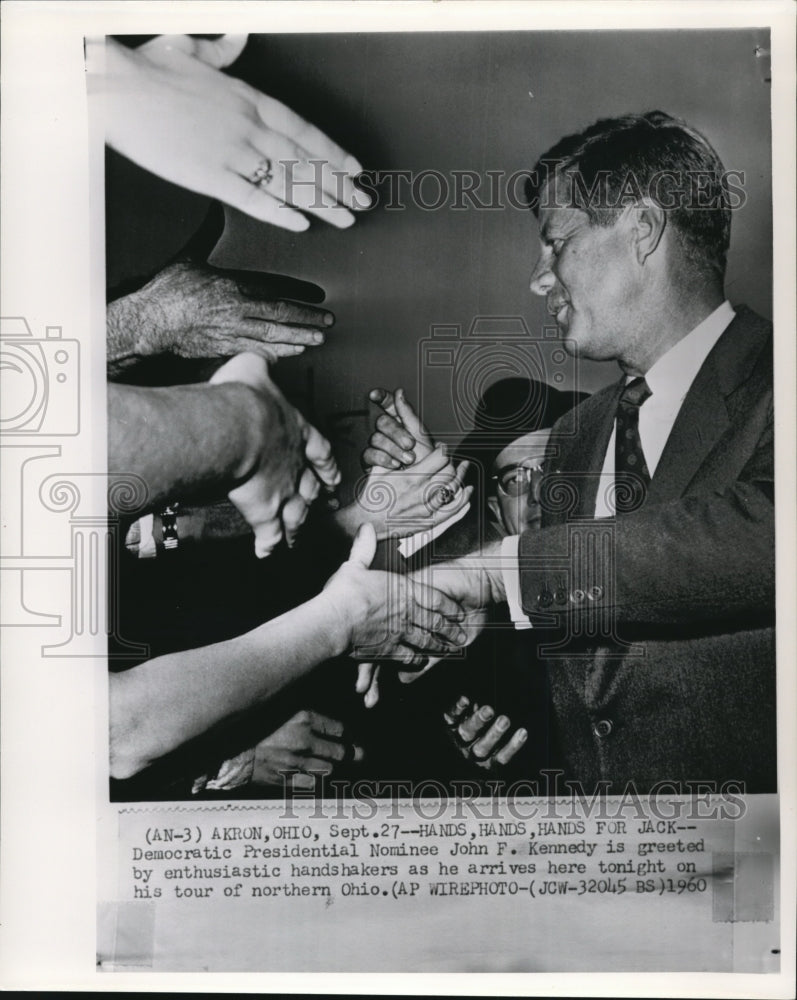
(170, 109)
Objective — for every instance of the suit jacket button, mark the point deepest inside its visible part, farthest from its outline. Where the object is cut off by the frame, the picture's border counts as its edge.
(545, 600)
(602, 729)
(577, 596)
(560, 596)
(595, 593)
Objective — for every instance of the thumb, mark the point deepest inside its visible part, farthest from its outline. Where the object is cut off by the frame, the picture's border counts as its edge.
(363, 547)
(217, 52)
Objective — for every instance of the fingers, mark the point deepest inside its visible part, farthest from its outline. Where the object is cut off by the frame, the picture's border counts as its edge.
(365, 675)
(267, 332)
(318, 452)
(471, 727)
(505, 754)
(433, 631)
(470, 723)
(428, 641)
(368, 683)
(321, 723)
(392, 428)
(383, 398)
(454, 715)
(294, 513)
(219, 52)
(277, 116)
(389, 455)
(253, 200)
(298, 178)
(410, 420)
(433, 599)
(363, 548)
(309, 486)
(484, 746)
(372, 694)
(374, 458)
(283, 312)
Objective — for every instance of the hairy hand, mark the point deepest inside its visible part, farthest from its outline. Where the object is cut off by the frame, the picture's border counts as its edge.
(197, 311)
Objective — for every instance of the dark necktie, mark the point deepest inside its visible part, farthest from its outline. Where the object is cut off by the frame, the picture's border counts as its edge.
(632, 477)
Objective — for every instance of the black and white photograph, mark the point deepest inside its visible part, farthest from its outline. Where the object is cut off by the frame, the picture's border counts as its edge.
(410, 498)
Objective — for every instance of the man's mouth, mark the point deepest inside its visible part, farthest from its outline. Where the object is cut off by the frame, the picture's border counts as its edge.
(559, 311)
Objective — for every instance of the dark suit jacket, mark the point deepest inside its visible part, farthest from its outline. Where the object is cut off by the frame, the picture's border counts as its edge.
(657, 626)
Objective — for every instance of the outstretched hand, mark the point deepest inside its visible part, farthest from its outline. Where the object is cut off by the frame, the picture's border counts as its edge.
(169, 108)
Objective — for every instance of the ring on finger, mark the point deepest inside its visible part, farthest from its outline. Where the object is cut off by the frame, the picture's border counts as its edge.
(262, 174)
(444, 495)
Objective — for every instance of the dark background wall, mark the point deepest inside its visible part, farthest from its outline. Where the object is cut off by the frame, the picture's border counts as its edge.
(453, 102)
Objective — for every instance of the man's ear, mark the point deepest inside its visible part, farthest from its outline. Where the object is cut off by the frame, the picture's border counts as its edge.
(648, 221)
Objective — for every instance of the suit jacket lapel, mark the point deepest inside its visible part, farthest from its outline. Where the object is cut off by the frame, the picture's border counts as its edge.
(703, 417)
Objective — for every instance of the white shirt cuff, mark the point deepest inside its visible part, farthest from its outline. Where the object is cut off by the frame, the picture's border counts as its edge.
(510, 569)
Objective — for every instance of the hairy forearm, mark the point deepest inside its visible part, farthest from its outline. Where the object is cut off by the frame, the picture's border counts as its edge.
(133, 326)
(193, 443)
(158, 706)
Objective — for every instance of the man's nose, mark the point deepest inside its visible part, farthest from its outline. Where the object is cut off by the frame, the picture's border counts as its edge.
(542, 279)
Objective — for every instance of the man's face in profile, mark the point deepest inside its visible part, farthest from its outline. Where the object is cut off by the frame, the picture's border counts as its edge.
(516, 475)
(584, 272)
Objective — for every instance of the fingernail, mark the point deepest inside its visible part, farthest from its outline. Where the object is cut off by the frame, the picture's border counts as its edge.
(408, 456)
(318, 338)
(462, 638)
(486, 713)
(395, 464)
(502, 723)
(520, 735)
(329, 318)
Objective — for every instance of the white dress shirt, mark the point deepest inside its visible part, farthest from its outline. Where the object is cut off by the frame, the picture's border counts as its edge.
(669, 380)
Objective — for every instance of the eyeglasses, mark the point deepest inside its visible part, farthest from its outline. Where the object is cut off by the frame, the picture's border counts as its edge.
(516, 480)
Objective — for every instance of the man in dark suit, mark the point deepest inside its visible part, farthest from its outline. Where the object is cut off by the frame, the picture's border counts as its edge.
(651, 580)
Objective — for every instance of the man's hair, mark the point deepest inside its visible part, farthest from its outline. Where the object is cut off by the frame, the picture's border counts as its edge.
(618, 161)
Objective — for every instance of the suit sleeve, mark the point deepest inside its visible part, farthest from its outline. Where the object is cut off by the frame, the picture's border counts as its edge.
(705, 557)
